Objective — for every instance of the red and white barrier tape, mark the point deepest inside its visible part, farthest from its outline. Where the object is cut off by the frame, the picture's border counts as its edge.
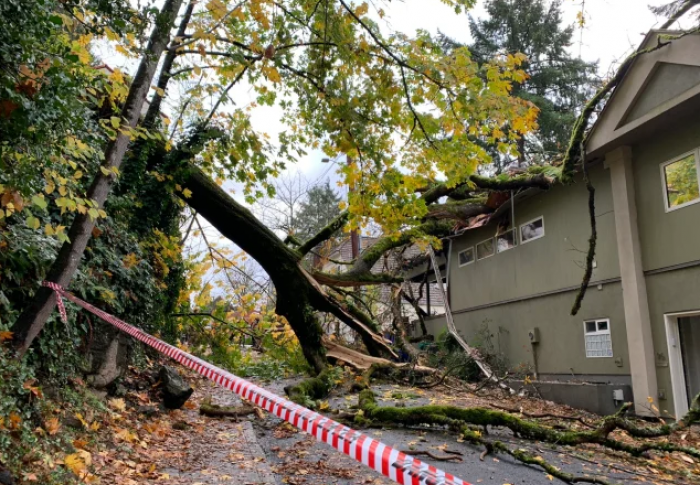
(398, 466)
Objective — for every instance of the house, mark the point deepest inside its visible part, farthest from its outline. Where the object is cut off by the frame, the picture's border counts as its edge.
(429, 297)
(637, 335)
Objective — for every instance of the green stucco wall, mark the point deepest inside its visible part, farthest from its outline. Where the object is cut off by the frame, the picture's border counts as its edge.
(550, 263)
(532, 285)
(561, 349)
(666, 238)
(672, 292)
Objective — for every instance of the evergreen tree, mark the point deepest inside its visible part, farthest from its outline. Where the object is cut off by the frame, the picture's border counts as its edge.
(558, 84)
(319, 208)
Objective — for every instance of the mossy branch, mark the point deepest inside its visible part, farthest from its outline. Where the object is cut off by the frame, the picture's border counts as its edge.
(460, 419)
(353, 278)
(514, 182)
(592, 241)
(458, 210)
(217, 411)
(372, 254)
(311, 389)
(324, 234)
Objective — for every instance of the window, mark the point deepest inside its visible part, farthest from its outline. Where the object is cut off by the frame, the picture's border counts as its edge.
(680, 179)
(485, 249)
(532, 230)
(466, 257)
(597, 338)
(506, 241)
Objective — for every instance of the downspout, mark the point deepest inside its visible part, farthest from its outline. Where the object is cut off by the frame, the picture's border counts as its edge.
(447, 271)
(471, 352)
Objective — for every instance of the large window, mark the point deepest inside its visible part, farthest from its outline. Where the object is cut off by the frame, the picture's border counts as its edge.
(597, 338)
(485, 249)
(532, 230)
(681, 183)
(506, 241)
(466, 257)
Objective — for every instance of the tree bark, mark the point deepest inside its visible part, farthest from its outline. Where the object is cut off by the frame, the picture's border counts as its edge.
(164, 78)
(295, 294)
(33, 318)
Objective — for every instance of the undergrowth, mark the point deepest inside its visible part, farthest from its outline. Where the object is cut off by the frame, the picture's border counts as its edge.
(34, 402)
(446, 353)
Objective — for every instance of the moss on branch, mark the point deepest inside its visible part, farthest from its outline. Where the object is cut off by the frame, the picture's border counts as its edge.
(372, 254)
(459, 210)
(352, 278)
(460, 421)
(324, 234)
(514, 182)
(311, 389)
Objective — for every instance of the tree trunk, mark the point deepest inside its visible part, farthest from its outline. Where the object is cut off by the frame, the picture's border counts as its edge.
(153, 112)
(397, 321)
(33, 318)
(296, 296)
(108, 355)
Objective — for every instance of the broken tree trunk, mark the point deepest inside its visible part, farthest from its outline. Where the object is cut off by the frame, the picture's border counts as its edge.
(299, 296)
(397, 322)
(359, 361)
(33, 318)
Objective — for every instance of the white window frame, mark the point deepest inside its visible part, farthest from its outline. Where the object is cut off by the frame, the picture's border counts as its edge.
(664, 186)
(515, 239)
(597, 332)
(476, 250)
(463, 251)
(520, 230)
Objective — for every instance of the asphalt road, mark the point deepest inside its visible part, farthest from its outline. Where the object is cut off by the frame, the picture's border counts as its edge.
(296, 458)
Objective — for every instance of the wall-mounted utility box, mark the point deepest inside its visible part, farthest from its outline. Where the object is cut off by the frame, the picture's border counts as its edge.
(534, 334)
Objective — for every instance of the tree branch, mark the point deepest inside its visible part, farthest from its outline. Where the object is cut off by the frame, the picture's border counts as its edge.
(324, 234)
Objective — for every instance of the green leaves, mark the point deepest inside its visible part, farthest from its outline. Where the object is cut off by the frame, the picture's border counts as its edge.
(33, 222)
(39, 201)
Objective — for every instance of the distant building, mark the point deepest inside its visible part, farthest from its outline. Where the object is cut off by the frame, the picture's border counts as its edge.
(429, 297)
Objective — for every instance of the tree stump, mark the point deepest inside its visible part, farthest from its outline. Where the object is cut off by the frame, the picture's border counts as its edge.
(175, 390)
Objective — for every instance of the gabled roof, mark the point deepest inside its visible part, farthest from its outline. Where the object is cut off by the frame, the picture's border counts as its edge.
(658, 86)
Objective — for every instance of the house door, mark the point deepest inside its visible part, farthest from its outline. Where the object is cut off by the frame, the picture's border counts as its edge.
(689, 336)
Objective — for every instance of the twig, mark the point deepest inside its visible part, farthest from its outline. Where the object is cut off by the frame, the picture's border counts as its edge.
(543, 415)
(432, 455)
(444, 376)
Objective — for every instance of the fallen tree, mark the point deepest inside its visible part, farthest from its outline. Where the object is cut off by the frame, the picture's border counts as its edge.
(346, 111)
(471, 424)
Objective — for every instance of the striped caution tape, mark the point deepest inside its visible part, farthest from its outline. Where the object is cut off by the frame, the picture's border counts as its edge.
(398, 466)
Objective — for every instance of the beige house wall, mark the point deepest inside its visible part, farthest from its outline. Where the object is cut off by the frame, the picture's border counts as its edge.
(526, 287)
(670, 292)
